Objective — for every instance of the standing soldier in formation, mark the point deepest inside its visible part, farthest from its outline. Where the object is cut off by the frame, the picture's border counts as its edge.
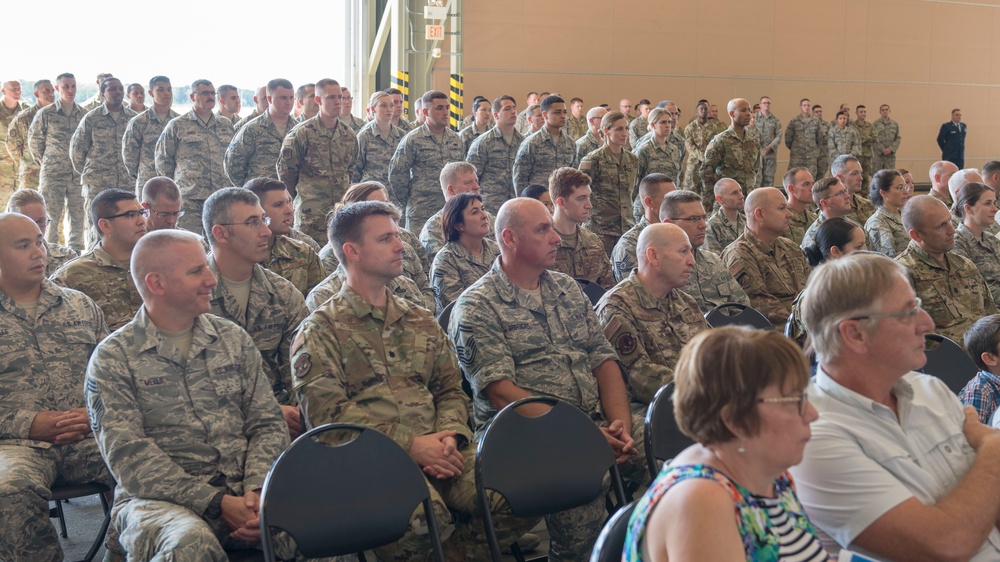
(576, 123)
(346, 111)
(377, 141)
(769, 128)
(10, 106)
(697, 135)
(804, 141)
(191, 151)
(253, 152)
(868, 137)
(397, 110)
(886, 141)
(522, 124)
(17, 136)
(612, 170)
(546, 150)
(493, 153)
(48, 140)
(229, 103)
(96, 148)
(98, 98)
(640, 125)
(305, 102)
(260, 107)
(843, 139)
(656, 154)
(415, 170)
(317, 158)
(734, 153)
(481, 123)
(142, 132)
(592, 140)
(823, 163)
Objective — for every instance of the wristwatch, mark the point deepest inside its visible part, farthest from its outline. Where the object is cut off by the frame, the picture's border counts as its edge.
(214, 509)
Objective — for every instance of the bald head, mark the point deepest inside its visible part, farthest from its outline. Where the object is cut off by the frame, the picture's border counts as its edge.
(15, 226)
(725, 183)
(761, 198)
(940, 172)
(662, 236)
(511, 216)
(155, 253)
(918, 208)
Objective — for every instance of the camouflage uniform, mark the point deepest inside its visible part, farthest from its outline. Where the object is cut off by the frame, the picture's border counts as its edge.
(623, 257)
(17, 148)
(254, 150)
(191, 153)
(678, 140)
(44, 359)
(729, 156)
(56, 256)
(414, 261)
(296, 262)
(105, 280)
(769, 129)
(394, 370)
(861, 209)
(316, 164)
(48, 140)
(722, 232)
(771, 276)
(273, 313)
(844, 141)
(539, 155)
(613, 180)
(654, 158)
(945, 198)
(955, 295)
(799, 224)
(8, 165)
(577, 127)
(711, 284)
(91, 103)
(869, 136)
(469, 134)
(638, 127)
(415, 172)
(139, 145)
(547, 348)
(886, 136)
(375, 153)
(886, 232)
(584, 146)
(805, 143)
(456, 268)
(400, 286)
(432, 237)
(586, 259)
(295, 234)
(648, 333)
(171, 452)
(239, 123)
(96, 153)
(697, 136)
(984, 252)
(354, 123)
(823, 162)
(521, 125)
(493, 158)
(810, 236)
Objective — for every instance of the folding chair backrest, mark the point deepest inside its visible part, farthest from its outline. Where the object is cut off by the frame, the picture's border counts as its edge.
(611, 541)
(664, 439)
(949, 362)
(445, 315)
(593, 291)
(747, 316)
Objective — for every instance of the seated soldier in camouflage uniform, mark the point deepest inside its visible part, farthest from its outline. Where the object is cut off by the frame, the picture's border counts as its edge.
(833, 201)
(31, 204)
(184, 492)
(976, 205)
(370, 358)
(258, 300)
(889, 193)
(49, 334)
(523, 330)
(728, 220)
(647, 317)
(770, 267)
(103, 273)
(652, 188)
(847, 169)
(580, 253)
(798, 184)
(952, 290)
(710, 283)
(468, 254)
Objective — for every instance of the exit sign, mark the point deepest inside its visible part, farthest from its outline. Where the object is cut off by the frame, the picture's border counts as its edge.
(435, 32)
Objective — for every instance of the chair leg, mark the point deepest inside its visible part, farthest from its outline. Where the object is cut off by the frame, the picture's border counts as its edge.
(62, 519)
(515, 549)
(99, 539)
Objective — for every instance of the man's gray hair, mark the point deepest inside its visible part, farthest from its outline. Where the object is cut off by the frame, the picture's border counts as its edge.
(218, 205)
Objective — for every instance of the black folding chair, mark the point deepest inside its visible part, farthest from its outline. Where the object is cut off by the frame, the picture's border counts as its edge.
(593, 291)
(445, 315)
(664, 439)
(72, 491)
(345, 498)
(947, 361)
(744, 316)
(544, 464)
(611, 541)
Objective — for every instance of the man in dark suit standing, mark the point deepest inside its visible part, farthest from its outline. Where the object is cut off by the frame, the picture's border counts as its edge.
(951, 139)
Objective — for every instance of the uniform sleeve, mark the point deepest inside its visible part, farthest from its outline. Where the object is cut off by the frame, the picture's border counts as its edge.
(357, 172)
(747, 273)
(776, 142)
(237, 159)
(36, 136)
(477, 156)
(450, 401)
(316, 273)
(399, 172)
(894, 145)
(132, 147)
(264, 425)
(288, 163)
(713, 158)
(79, 145)
(296, 313)
(446, 280)
(137, 463)
(644, 377)
(831, 143)
(165, 153)
(789, 135)
(523, 162)
(482, 349)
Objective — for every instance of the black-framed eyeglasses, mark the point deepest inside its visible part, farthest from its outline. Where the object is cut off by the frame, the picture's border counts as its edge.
(902, 315)
(694, 219)
(167, 214)
(801, 401)
(255, 223)
(130, 215)
(43, 223)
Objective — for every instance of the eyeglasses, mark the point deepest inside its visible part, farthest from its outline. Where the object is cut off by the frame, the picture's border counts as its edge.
(694, 219)
(166, 214)
(903, 188)
(207, 93)
(840, 193)
(904, 315)
(42, 223)
(801, 400)
(130, 215)
(255, 223)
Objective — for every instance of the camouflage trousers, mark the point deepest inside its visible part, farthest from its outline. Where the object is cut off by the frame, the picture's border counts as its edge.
(191, 221)
(807, 161)
(27, 175)
(822, 166)
(311, 217)
(65, 196)
(8, 181)
(769, 164)
(866, 172)
(880, 162)
(91, 234)
(464, 539)
(27, 476)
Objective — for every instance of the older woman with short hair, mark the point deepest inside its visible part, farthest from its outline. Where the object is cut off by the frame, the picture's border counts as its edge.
(468, 255)
(741, 395)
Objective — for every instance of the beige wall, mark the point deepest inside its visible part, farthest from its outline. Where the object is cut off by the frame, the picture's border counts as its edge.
(922, 57)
